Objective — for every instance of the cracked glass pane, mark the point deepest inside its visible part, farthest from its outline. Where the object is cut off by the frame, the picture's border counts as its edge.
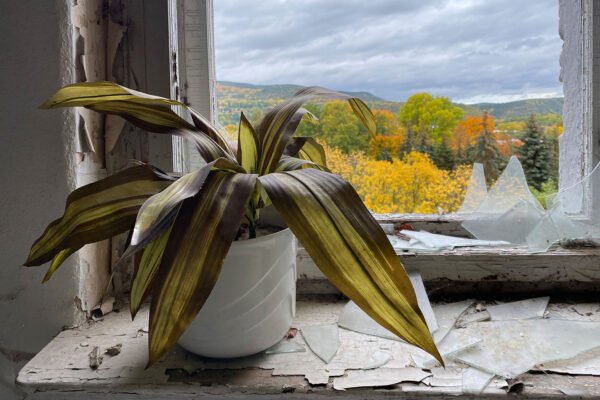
(510, 188)
(512, 347)
(454, 342)
(353, 318)
(378, 359)
(475, 380)
(476, 190)
(323, 340)
(285, 346)
(512, 226)
(523, 309)
(446, 316)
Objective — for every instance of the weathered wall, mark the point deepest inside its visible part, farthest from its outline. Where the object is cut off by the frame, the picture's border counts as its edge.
(34, 43)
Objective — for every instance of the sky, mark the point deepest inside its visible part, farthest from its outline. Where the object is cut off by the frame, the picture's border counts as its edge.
(467, 50)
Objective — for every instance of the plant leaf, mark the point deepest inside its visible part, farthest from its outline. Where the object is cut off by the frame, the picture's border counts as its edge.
(145, 272)
(146, 111)
(288, 163)
(99, 211)
(157, 207)
(306, 148)
(248, 146)
(199, 241)
(58, 260)
(279, 124)
(351, 249)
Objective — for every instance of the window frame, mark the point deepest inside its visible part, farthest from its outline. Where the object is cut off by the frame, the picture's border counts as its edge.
(580, 148)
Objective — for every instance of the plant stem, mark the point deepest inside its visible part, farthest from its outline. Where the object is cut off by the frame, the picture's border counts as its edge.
(252, 229)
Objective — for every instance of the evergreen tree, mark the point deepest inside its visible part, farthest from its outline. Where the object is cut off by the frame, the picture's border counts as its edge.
(443, 156)
(486, 151)
(534, 155)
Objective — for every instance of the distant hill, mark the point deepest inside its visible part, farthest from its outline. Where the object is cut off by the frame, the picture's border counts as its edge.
(234, 97)
(517, 109)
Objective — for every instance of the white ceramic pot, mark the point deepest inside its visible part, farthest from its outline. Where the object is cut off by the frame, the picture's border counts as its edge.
(253, 302)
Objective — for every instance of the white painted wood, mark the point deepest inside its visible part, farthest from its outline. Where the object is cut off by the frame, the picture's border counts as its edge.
(193, 77)
(579, 27)
(476, 271)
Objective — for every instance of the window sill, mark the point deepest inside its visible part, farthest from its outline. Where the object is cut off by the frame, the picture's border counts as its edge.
(61, 369)
(485, 271)
(479, 271)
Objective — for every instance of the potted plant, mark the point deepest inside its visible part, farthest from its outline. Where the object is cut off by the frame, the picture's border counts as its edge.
(185, 226)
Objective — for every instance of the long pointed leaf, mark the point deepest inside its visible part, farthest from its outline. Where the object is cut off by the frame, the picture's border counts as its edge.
(98, 211)
(146, 270)
(279, 124)
(144, 110)
(306, 148)
(157, 207)
(288, 163)
(248, 146)
(200, 238)
(351, 249)
(58, 260)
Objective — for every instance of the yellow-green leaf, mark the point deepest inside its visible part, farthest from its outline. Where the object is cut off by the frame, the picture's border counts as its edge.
(98, 211)
(58, 260)
(288, 163)
(145, 272)
(157, 207)
(351, 249)
(279, 124)
(199, 241)
(306, 148)
(146, 111)
(248, 146)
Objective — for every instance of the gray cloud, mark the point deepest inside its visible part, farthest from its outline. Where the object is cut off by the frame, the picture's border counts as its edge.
(467, 50)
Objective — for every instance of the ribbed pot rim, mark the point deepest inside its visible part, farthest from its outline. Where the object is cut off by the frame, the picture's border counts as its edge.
(258, 240)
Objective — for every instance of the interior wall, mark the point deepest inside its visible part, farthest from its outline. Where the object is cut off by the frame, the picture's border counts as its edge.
(35, 46)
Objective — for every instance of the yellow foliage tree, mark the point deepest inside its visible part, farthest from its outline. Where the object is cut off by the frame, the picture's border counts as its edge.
(413, 184)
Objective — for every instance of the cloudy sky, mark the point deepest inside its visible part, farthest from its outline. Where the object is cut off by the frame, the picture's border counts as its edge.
(468, 50)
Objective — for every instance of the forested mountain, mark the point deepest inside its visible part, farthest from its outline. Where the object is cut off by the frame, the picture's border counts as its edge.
(234, 97)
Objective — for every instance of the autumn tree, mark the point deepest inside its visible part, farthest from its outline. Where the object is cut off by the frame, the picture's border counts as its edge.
(387, 124)
(410, 184)
(485, 150)
(465, 133)
(535, 155)
(443, 156)
(310, 127)
(385, 147)
(427, 119)
(340, 128)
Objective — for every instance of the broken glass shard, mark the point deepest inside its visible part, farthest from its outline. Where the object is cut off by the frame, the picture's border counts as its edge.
(436, 241)
(422, 299)
(378, 359)
(446, 316)
(355, 319)
(476, 190)
(524, 309)
(510, 189)
(323, 340)
(454, 342)
(556, 226)
(512, 226)
(512, 347)
(285, 346)
(475, 380)
(473, 317)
